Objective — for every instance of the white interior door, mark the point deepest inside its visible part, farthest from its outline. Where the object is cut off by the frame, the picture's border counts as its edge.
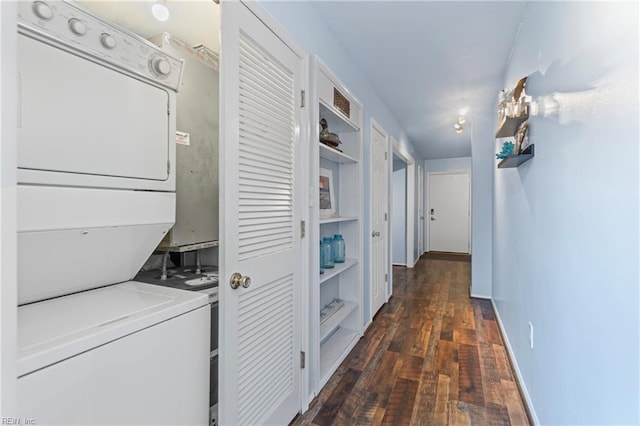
(449, 214)
(261, 80)
(379, 205)
(420, 211)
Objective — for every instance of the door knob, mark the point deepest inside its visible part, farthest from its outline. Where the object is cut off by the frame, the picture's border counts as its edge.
(433, 218)
(375, 233)
(238, 280)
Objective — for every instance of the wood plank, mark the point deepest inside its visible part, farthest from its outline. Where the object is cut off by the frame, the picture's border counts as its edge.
(513, 402)
(493, 332)
(401, 400)
(470, 380)
(441, 407)
(410, 367)
(330, 408)
(502, 363)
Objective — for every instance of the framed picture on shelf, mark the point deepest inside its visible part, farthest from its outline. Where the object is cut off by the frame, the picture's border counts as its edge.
(327, 198)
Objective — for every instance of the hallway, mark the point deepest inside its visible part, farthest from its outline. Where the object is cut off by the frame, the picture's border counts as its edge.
(432, 356)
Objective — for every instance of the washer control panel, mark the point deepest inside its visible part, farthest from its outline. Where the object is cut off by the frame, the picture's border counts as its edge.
(76, 29)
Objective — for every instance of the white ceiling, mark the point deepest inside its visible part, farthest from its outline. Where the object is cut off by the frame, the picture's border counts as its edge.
(429, 59)
(192, 21)
(426, 59)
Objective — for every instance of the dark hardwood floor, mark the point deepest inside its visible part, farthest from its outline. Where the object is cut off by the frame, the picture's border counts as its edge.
(432, 356)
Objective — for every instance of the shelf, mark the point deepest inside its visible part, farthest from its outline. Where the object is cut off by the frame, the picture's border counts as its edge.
(515, 160)
(338, 219)
(336, 156)
(334, 350)
(334, 320)
(510, 125)
(340, 268)
(338, 122)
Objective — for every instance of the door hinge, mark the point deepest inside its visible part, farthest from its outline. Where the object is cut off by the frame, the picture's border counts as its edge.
(385, 155)
(168, 168)
(302, 359)
(386, 278)
(168, 108)
(302, 99)
(303, 229)
(385, 217)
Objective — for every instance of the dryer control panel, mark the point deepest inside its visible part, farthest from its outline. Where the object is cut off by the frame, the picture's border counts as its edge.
(68, 26)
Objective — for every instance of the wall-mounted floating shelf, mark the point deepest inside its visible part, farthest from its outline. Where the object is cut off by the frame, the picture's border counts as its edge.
(510, 125)
(516, 160)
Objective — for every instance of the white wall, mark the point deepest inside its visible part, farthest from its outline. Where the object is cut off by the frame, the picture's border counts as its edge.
(302, 21)
(566, 223)
(399, 214)
(8, 219)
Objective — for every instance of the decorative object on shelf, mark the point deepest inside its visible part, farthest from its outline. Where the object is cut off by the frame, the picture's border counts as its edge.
(507, 150)
(328, 138)
(341, 103)
(338, 248)
(522, 140)
(321, 259)
(326, 254)
(516, 160)
(513, 109)
(327, 200)
(334, 306)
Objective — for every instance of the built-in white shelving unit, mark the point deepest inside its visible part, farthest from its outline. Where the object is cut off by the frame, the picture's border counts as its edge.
(333, 338)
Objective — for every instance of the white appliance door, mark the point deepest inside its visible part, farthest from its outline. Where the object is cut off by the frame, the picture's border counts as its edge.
(379, 203)
(449, 212)
(76, 116)
(155, 376)
(259, 221)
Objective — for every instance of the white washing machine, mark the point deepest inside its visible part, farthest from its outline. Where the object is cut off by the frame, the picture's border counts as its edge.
(96, 182)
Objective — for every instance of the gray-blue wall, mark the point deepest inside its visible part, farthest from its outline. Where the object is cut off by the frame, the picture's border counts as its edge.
(565, 231)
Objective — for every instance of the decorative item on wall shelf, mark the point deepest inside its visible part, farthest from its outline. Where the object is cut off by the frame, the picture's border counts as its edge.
(513, 109)
(507, 150)
(522, 140)
(328, 138)
(342, 103)
(327, 200)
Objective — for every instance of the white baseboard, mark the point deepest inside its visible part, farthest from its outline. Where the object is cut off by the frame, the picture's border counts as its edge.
(512, 358)
(482, 296)
(399, 264)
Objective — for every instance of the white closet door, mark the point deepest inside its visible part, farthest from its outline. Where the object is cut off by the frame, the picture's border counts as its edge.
(260, 84)
(379, 203)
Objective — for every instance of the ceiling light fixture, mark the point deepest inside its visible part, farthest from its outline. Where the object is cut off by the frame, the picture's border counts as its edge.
(464, 111)
(160, 11)
(458, 128)
(461, 119)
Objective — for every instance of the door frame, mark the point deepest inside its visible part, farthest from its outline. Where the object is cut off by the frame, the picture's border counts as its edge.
(375, 126)
(421, 209)
(428, 204)
(8, 209)
(411, 199)
(302, 173)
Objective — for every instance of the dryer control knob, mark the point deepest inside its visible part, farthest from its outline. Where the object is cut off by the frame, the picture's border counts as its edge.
(42, 10)
(77, 26)
(108, 41)
(161, 66)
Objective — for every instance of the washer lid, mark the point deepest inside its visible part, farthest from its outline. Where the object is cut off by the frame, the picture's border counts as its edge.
(53, 330)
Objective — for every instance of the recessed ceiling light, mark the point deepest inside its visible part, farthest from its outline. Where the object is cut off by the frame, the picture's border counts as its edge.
(461, 119)
(464, 111)
(160, 12)
(458, 128)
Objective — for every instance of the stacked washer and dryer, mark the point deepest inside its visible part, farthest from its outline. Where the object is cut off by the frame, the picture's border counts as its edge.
(96, 194)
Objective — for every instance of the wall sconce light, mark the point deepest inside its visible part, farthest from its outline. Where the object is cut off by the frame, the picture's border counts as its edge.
(160, 11)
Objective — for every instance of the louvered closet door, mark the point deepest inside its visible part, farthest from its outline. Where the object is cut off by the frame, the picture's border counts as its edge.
(260, 335)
